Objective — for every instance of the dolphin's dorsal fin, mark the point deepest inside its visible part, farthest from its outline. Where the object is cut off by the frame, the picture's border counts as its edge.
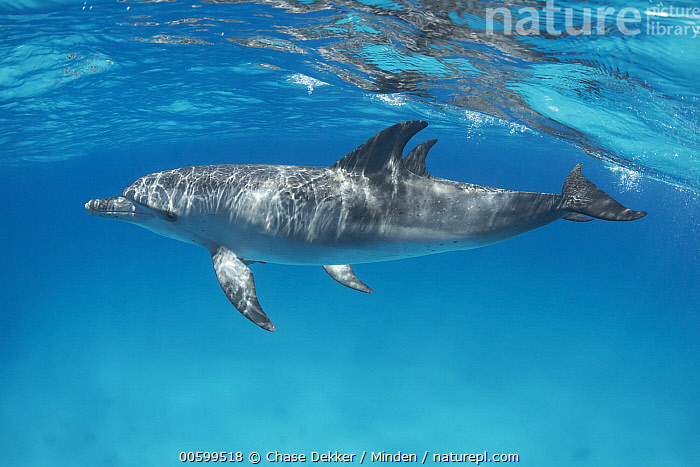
(383, 151)
(415, 160)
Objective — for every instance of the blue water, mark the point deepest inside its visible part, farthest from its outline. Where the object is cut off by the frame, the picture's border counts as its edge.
(575, 344)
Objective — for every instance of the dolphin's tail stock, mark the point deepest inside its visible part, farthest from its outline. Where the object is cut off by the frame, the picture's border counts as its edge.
(582, 197)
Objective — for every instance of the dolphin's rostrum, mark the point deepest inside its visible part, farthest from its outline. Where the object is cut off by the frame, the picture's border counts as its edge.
(372, 205)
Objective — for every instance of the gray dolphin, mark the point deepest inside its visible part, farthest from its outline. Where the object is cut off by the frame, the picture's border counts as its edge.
(372, 205)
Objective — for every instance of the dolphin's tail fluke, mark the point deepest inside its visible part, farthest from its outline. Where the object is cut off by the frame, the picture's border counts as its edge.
(583, 197)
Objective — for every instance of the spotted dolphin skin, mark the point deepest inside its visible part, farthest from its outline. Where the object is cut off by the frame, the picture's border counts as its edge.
(372, 205)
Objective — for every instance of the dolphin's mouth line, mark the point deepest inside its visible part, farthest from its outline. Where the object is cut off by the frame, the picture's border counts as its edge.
(154, 212)
(118, 206)
(122, 205)
(117, 212)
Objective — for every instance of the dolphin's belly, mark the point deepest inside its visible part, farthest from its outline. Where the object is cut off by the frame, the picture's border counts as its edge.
(326, 247)
(285, 251)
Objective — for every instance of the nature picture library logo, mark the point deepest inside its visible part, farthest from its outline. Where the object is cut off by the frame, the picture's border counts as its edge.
(555, 21)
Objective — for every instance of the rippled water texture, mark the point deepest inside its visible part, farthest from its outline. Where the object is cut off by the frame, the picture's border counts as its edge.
(118, 73)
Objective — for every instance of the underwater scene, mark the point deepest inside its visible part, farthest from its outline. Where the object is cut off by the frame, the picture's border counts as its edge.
(574, 344)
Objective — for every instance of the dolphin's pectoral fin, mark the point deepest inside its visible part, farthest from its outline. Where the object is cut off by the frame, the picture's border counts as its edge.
(344, 274)
(237, 282)
(576, 217)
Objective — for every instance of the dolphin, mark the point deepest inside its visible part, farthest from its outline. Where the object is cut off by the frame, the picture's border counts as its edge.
(372, 205)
